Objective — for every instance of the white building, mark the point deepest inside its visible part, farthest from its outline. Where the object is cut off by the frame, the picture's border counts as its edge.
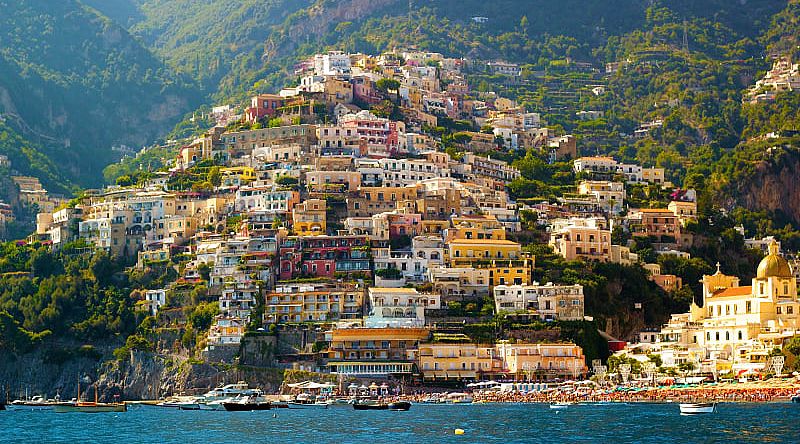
(549, 301)
(399, 307)
(331, 64)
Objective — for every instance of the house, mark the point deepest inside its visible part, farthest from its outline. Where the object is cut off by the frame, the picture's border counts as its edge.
(610, 195)
(155, 299)
(261, 106)
(309, 218)
(582, 238)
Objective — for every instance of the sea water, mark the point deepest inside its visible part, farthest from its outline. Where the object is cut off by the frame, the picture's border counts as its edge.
(482, 423)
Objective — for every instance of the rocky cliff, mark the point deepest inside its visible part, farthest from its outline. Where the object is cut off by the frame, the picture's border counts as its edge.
(772, 185)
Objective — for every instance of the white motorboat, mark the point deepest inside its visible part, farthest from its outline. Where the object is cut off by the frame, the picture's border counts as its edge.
(695, 408)
(560, 405)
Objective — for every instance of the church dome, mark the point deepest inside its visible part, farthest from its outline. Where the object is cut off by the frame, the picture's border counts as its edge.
(773, 265)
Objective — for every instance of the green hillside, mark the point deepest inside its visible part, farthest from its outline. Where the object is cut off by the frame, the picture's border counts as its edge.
(75, 83)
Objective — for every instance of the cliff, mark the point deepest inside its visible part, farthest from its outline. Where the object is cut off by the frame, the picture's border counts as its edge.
(771, 186)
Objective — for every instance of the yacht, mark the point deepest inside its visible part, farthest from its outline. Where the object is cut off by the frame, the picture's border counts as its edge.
(213, 399)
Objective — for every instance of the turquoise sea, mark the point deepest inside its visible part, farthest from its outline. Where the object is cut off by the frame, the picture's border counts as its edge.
(483, 423)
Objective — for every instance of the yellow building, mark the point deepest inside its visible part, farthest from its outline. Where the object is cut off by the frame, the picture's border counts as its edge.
(476, 227)
(309, 218)
(313, 303)
(542, 361)
(374, 351)
(528, 361)
(442, 361)
(469, 251)
(237, 176)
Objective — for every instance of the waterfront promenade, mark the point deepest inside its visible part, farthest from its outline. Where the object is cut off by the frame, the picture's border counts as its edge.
(744, 392)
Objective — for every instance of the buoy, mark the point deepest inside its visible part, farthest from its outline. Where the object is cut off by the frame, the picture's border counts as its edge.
(458, 431)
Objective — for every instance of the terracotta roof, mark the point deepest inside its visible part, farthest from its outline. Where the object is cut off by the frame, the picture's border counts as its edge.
(734, 291)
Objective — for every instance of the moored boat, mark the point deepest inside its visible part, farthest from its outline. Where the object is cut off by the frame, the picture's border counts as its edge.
(694, 408)
(359, 406)
(400, 405)
(246, 404)
(560, 405)
(90, 407)
(35, 403)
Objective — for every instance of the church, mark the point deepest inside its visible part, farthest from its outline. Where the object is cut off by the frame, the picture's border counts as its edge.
(737, 326)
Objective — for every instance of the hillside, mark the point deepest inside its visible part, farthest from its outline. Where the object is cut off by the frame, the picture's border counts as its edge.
(75, 83)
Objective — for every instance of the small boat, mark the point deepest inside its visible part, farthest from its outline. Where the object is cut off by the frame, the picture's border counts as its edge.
(400, 406)
(796, 397)
(694, 408)
(560, 405)
(371, 406)
(90, 407)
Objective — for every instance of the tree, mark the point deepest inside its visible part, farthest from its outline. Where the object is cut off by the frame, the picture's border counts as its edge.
(286, 180)
(215, 176)
(793, 346)
(124, 181)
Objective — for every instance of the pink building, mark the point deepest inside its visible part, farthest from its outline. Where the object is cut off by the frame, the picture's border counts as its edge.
(381, 135)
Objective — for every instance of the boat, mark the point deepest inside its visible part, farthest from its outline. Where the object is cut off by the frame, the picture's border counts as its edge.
(189, 405)
(560, 405)
(371, 406)
(246, 404)
(694, 408)
(796, 397)
(459, 398)
(35, 403)
(400, 406)
(305, 400)
(89, 407)
(230, 391)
